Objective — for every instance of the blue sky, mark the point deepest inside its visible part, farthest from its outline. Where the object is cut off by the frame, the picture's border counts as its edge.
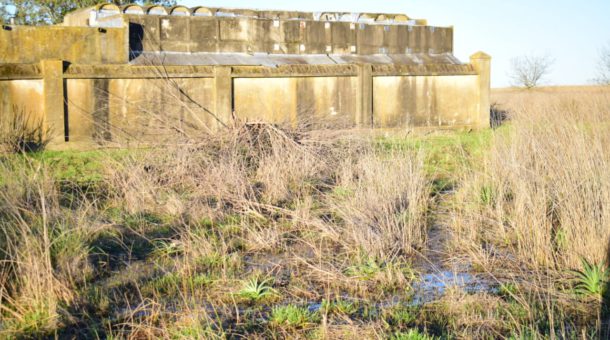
(571, 31)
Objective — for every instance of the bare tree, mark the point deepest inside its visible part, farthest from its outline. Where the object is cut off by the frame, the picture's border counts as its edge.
(603, 66)
(4, 13)
(530, 70)
(48, 12)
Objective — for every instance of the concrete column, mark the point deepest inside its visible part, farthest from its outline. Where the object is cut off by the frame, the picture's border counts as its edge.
(54, 121)
(482, 65)
(158, 42)
(223, 86)
(364, 105)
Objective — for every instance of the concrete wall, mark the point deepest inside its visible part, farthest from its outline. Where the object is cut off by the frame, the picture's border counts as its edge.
(219, 34)
(304, 99)
(136, 110)
(91, 105)
(433, 101)
(25, 44)
(372, 70)
(153, 33)
(21, 97)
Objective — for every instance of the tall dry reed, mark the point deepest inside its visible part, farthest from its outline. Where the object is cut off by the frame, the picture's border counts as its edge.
(382, 198)
(43, 248)
(543, 193)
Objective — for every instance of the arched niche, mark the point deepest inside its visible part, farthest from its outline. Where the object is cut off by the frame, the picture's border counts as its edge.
(180, 11)
(133, 9)
(366, 18)
(401, 18)
(108, 9)
(156, 10)
(383, 18)
(202, 12)
(329, 17)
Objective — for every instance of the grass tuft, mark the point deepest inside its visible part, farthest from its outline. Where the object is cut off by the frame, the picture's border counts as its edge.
(592, 279)
(293, 317)
(256, 289)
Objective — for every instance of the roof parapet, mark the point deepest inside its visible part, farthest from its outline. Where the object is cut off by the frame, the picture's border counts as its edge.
(108, 9)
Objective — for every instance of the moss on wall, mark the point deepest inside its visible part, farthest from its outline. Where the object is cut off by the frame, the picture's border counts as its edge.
(24, 44)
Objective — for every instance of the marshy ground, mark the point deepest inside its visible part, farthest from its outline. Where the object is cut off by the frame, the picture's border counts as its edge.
(266, 232)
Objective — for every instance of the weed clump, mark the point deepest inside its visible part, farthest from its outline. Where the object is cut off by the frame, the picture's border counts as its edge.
(256, 289)
(21, 131)
(592, 280)
(293, 317)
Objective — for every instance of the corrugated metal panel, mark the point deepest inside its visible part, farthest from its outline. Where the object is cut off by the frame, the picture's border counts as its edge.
(275, 60)
(361, 59)
(270, 60)
(423, 58)
(398, 59)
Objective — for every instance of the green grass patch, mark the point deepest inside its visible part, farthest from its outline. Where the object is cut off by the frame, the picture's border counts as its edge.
(292, 316)
(340, 307)
(78, 166)
(411, 335)
(447, 153)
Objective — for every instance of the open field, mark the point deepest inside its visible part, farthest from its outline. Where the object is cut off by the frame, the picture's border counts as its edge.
(269, 232)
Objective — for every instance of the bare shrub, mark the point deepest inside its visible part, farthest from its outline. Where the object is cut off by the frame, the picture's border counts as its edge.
(603, 66)
(543, 191)
(260, 170)
(243, 168)
(21, 131)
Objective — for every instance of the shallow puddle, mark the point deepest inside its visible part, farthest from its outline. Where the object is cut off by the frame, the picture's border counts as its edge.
(432, 286)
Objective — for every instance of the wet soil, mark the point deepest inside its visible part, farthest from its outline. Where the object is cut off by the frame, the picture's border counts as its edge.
(437, 268)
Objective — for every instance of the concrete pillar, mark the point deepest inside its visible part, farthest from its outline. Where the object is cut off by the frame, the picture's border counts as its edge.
(482, 65)
(364, 105)
(54, 121)
(223, 86)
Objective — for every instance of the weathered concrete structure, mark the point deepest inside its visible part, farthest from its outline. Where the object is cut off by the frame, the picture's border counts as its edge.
(110, 72)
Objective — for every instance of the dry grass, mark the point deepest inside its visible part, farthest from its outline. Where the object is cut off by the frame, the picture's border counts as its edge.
(382, 199)
(183, 240)
(544, 189)
(334, 210)
(44, 248)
